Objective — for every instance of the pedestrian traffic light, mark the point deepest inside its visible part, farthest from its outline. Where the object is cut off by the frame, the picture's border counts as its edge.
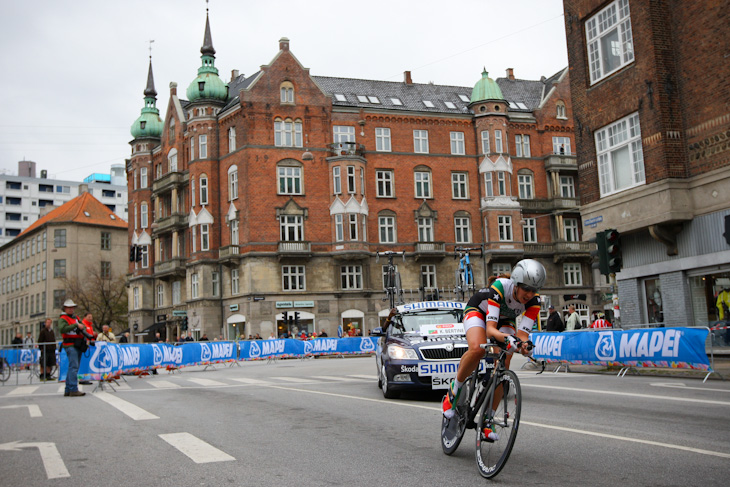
(296, 319)
(600, 253)
(133, 253)
(613, 250)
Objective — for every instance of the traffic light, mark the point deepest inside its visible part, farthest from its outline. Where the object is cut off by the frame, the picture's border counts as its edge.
(138, 254)
(285, 318)
(613, 250)
(133, 253)
(602, 264)
(184, 324)
(296, 319)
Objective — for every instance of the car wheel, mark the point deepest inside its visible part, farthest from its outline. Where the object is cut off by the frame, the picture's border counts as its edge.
(388, 393)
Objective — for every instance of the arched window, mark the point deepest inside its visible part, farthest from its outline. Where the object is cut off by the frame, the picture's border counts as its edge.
(172, 160)
(233, 183)
(462, 227)
(561, 111)
(422, 182)
(203, 189)
(287, 92)
(287, 133)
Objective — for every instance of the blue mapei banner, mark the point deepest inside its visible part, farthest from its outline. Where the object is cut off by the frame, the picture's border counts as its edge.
(20, 356)
(682, 348)
(258, 349)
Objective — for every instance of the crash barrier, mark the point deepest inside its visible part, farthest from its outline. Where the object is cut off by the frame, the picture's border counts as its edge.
(22, 359)
(108, 360)
(678, 348)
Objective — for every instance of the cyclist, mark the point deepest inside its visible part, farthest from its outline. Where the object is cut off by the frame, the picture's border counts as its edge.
(492, 313)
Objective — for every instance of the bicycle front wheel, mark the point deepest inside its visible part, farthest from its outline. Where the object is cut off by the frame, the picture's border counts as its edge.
(492, 453)
(4, 370)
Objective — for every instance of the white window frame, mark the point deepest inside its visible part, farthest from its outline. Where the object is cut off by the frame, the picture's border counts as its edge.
(203, 146)
(204, 236)
(136, 302)
(351, 187)
(529, 230)
(522, 145)
(291, 228)
(485, 141)
(352, 225)
(382, 139)
(387, 229)
(457, 143)
(293, 278)
(160, 295)
(620, 137)
(144, 215)
(290, 180)
(194, 285)
(498, 142)
(462, 230)
(143, 177)
(422, 184)
(176, 292)
(572, 274)
(612, 23)
(234, 232)
(235, 282)
(425, 229)
(504, 224)
(564, 142)
(215, 283)
(232, 183)
(420, 141)
(525, 186)
(570, 229)
(384, 182)
(231, 139)
(337, 179)
(351, 277)
(203, 190)
(428, 276)
(339, 228)
(172, 160)
(459, 185)
(567, 186)
(488, 185)
(343, 133)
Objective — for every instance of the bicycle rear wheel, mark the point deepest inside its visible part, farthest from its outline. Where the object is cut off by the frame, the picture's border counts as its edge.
(452, 430)
(4, 370)
(492, 455)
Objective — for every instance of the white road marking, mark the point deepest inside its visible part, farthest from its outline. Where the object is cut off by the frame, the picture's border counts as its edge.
(334, 378)
(52, 461)
(366, 377)
(22, 390)
(630, 394)
(196, 449)
(206, 382)
(134, 412)
(251, 382)
(33, 409)
(163, 384)
(680, 385)
(294, 379)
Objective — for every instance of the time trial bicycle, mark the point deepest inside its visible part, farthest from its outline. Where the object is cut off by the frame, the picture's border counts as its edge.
(391, 278)
(465, 285)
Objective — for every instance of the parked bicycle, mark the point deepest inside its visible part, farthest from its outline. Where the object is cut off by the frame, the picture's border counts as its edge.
(465, 285)
(496, 429)
(393, 288)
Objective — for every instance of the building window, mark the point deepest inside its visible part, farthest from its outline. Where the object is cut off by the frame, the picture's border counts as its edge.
(59, 296)
(420, 141)
(351, 277)
(457, 143)
(288, 133)
(529, 230)
(203, 189)
(459, 185)
(425, 229)
(292, 228)
(609, 40)
(172, 161)
(293, 278)
(572, 274)
(204, 236)
(233, 183)
(287, 92)
(428, 276)
(160, 295)
(145, 253)
(176, 292)
(234, 281)
(203, 146)
(337, 179)
(215, 280)
(143, 215)
(194, 286)
(488, 185)
(501, 183)
(462, 229)
(192, 148)
(231, 139)
(339, 228)
(567, 187)
(384, 183)
(351, 179)
(560, 111)
(524, 183)
(59, 238)
(341, 133)
(570, 226)
(43, 271)
(234, 232)
(290, 180)
(382, 140)
(498, 141)
(136, 301)
(422, 180)
(142, 178)
(522, 145)
(561, 145)
(620, 155)
(386, 229)
(352, 217)
(485, 141)
(106, 270)
(504, 224)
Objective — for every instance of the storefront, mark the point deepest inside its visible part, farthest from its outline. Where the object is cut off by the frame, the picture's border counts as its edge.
(236, 327)
(352, 321)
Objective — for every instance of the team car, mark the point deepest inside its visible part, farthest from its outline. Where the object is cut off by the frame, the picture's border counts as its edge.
(421, 348)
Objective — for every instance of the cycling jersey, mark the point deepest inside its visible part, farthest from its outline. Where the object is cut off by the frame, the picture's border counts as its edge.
(498, 303)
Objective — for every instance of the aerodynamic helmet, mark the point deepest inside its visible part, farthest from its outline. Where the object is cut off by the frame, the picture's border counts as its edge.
(530, 273)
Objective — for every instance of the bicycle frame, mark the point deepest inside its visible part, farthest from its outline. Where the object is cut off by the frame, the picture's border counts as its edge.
(465, 274)
(393, 289)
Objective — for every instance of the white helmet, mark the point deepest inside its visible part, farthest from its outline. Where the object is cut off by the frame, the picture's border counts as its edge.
(530, 273)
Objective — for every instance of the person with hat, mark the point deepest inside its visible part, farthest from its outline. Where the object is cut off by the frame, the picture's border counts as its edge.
(74, 343)
(554, 322)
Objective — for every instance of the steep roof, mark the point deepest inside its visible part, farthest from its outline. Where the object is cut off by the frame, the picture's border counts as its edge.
(84, 210)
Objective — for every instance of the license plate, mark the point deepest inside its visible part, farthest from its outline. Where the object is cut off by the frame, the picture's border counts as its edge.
(441, 381)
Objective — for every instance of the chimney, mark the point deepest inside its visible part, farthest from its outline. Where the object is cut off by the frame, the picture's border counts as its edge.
(26, 169)
(173, 89)
(510, 74)
(407, 78)
(83, 188)
(46, 210)
(283, 44)
(234, 74)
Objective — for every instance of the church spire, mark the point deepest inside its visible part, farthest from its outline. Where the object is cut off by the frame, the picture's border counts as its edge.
(149, 123)
(207, 49)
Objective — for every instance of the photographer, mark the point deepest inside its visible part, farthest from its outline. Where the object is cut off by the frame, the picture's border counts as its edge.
(74, 336)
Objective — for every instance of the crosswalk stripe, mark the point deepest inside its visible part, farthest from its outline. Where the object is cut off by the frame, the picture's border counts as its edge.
(196, 449)
(131, 410)
(163, 384)
(298, 380)
(23, 390)
(366, 377)
(253, 382)
(333, 378)
(206, 382)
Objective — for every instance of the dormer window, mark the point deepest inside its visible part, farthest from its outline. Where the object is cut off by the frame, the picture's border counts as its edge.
(142, 123)
(287, 92)
(201, 85)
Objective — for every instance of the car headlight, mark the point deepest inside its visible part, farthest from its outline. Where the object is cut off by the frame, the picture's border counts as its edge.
(401, 353)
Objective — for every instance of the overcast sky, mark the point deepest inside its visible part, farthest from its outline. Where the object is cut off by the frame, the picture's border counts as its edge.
(74, 71)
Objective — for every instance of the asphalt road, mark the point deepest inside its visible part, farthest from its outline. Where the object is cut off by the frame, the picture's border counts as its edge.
(324, 422)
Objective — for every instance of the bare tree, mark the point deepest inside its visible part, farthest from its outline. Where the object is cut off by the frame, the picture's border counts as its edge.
(105, 298)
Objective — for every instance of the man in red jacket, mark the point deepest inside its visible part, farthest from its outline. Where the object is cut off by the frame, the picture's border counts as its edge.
(88, 321)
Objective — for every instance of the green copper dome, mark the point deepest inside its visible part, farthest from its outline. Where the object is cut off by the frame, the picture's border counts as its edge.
(149, 123)
(486, 89)
(207, 86)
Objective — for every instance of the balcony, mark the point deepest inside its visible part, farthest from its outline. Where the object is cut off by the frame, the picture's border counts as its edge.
(347, 150)
(351, 251)
(547, 205)
(571, 250)
(169, 181)
(229, 255)
(169, 269)
(176, 221)
(509, 250)
(294, 249)
(561, 162)
(426, 250)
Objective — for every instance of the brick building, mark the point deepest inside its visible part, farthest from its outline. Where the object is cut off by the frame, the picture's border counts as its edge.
(271, 193)
(650, 83)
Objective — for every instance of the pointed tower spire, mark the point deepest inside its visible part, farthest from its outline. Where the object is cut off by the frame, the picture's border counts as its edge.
(150, 90)
(207, 86)
(149, 123)
(207, 49)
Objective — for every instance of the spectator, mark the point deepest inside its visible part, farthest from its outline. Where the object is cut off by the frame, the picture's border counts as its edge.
(89, 322)
(28, 341)
(323, 334)
(573, 321)
(204, 338)
(18, 340)
(189, 337)
(257, 337)
(601, 322)
(554, 322)
(124, 338)
(47, 344)
(106, 335)
(272, 336)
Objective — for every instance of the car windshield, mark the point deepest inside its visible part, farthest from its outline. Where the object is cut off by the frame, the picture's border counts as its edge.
(412, 322)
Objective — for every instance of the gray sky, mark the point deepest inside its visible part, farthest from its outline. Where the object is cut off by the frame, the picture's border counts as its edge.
(74, 72)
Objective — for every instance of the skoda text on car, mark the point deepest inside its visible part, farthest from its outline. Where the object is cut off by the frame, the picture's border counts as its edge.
(421, 348)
